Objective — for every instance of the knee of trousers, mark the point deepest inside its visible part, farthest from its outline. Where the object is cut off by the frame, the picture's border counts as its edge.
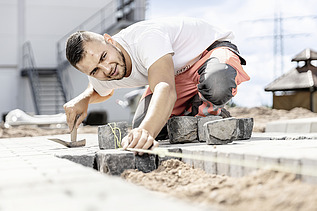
(216, 83)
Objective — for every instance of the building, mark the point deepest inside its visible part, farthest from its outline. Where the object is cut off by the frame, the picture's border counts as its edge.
(297, 88)
(34, 74)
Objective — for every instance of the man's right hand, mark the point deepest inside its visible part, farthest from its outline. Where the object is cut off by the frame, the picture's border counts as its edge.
(76, 107)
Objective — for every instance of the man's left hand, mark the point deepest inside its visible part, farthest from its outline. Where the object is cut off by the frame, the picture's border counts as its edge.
(139, 138)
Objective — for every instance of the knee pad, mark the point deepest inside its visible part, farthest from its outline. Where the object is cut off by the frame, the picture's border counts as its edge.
(217, 81)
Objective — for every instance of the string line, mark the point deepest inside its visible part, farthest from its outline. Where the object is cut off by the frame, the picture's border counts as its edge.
(116, 140)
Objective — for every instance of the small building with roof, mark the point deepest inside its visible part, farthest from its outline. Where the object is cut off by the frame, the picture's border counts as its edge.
(297, 87)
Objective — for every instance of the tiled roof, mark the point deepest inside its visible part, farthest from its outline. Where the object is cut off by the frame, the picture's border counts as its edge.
(293, 80)
(307, 54)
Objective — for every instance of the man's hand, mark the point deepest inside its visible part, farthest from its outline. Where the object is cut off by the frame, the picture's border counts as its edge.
(139, 139)
(76, 107)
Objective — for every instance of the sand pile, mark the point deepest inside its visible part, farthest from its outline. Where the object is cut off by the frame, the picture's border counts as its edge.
(263, 190)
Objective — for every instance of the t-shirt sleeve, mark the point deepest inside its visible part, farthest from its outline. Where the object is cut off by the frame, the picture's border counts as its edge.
(98, 87)
(152, 46)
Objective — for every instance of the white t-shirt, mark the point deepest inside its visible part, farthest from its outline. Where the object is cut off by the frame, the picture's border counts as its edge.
(147, 41)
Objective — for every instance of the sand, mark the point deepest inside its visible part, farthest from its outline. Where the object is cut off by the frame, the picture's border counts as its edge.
(262, 190)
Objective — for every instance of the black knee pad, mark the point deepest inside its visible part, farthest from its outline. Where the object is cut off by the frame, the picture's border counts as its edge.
(217, 81)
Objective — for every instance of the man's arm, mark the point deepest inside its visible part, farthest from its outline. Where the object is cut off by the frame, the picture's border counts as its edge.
(79, 105)
(162, 84)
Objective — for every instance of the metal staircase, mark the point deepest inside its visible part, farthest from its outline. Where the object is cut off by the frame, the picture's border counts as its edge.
(51, 87)
(46, 85)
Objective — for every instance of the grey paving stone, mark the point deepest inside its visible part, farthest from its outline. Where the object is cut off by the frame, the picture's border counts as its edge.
(145, 162)
(210, 167)
(251, 163)
(244, 128)
(198, 163)
(182, 129)
(308, 170)
(88, 160)
(110, 135)
(223, 168)
(221, 131)
(292, 164)
(114, 162)
(188, 151)
(176, 150)
(236, 170)
(200, 124)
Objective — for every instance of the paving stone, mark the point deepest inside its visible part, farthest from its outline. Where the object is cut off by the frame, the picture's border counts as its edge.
(110, 135)
(188, 151)
(308, 170)
(198, 163)
(245, 127)
(114, 162)
(145, 162)
(209, 166)
(223, 168)
(88, 160)
(182, 129)
(293, 164)
(235, 169)
(200, 125)
(176, 150)
(221, 131)
(251, 163)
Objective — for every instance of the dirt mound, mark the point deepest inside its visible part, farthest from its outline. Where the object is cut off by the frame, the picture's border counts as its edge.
(263, 190)
(263, 115)
(33, 130)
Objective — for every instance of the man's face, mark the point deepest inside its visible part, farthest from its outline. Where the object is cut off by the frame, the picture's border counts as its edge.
(102, 61)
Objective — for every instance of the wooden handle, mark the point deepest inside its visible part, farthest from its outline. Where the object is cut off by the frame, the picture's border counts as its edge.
(73, 134)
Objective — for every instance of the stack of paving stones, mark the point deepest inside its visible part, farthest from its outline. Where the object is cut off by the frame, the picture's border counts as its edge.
(211, 129)
(182, 129)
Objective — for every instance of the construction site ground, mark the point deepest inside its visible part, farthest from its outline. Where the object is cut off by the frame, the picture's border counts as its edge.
(38, 174)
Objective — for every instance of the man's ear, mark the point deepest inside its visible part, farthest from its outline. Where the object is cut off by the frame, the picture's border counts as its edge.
(108, 38)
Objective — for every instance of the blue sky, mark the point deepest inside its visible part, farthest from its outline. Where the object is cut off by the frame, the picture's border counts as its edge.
(253, 35)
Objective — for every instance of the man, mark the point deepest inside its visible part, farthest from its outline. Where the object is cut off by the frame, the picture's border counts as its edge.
(191, 68)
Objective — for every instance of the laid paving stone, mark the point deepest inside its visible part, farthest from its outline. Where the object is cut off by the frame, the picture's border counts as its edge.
(251, 163)
(200, 126)
(110, 135)
(88, 160)
(145, 162)
(292, 164)
(223, 168)
(198, 163)
(182, 129)
(236, 170)
(114, 162)
(308, 170)
(210, 167)
(221, 131)
(176, 150)
(244, 128)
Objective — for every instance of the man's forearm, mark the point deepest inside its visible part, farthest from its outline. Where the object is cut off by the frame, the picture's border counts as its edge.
(160, 108)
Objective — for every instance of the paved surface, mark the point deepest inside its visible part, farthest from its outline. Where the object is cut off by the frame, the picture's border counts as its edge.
(304, 125)
(34, 177)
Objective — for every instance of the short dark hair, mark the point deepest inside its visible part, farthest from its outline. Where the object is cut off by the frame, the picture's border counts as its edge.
(75, 47)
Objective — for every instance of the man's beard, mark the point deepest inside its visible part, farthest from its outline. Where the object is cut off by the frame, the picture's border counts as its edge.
(124, 66)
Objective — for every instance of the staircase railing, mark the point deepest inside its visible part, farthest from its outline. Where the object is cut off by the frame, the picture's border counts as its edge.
(33, 75)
